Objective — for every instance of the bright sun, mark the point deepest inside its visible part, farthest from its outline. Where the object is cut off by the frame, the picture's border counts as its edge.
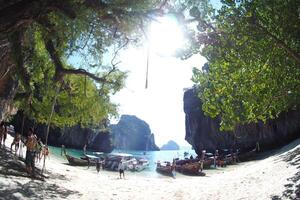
(165, 36)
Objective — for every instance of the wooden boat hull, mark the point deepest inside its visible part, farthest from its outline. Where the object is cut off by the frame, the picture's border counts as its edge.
(206, 164)
(165, 170)
(190, 169)
(79, 162)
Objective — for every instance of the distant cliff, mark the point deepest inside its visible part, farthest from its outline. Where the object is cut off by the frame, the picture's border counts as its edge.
(202, 132)
(171, 145)
(132, 133)
(72, 137)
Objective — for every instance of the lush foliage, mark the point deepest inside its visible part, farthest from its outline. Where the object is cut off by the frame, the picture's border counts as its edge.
(253, 54)
(62, 34)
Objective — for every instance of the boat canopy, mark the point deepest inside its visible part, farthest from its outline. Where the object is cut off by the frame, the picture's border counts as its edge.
(121, 154)
(98, 153)
(92, 157)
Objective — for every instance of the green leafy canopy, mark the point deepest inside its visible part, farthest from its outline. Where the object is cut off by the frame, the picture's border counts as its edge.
(57, 32)
(253, 60)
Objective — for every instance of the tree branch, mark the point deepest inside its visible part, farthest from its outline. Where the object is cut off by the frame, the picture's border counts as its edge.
(281, 43)
(83, 72)
(16, 41)
(60, 71)
(99, 5)
(95, 4)
(65, 7)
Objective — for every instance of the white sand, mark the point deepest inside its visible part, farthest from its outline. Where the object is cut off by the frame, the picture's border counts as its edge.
(250, 180)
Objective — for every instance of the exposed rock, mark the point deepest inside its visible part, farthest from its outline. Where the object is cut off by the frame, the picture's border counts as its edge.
(132, 133)
(202, 132)
(171, 145)
(72, 137)
(8, 84)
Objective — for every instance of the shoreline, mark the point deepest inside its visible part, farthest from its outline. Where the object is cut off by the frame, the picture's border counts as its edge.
(261, 179)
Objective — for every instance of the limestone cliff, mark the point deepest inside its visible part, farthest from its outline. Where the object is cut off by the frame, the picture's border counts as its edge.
(202, 132)
(8, 82)
(72, 137)
(132, 133)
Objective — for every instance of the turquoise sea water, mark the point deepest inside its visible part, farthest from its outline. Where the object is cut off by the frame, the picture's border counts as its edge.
(152, 156)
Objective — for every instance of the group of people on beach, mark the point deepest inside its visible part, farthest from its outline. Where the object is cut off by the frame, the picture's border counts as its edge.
(121, 166)
(35, 149)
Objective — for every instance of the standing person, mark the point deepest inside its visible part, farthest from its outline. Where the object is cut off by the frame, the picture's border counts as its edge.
(216, 157)
(88, 161)
(84, 149)
(63, 150)
(98, 165)
(121, 168)
(202, 160)
(173, 168)
(257, 147)
(45, 151)
(3, 133)
(16, 142)
(39, 148)
(31, 144)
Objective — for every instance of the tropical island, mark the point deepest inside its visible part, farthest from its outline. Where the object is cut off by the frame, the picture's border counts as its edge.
(171, 145)
(60, 68)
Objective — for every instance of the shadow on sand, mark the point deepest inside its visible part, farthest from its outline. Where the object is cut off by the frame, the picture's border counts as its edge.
(33, 190)
(292, 189)
(17, 184)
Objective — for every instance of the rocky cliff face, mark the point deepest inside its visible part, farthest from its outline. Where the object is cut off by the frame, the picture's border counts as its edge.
(8, 84)
(132, 133)
(202, 132)
(72, 137)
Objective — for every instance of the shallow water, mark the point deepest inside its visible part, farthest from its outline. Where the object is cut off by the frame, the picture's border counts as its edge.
(151, 156)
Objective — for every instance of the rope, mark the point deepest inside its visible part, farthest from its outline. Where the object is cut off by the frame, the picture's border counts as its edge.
(147, 69)
(85, 86)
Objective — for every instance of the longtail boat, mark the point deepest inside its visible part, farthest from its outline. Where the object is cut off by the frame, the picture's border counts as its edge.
(79, 161)
(165, 170)
(190, 169)
(206, 163)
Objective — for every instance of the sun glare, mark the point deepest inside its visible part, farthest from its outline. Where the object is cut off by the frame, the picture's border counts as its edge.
(166, 36)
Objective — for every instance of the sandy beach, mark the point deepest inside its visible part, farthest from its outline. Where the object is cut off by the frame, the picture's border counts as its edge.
(275, 177)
